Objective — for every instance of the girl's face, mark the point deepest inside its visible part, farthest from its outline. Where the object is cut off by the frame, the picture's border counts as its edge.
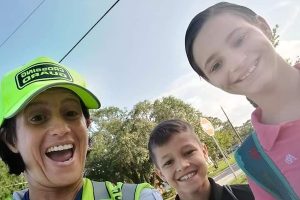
(182, 163)
(235, 55)
(52, 139)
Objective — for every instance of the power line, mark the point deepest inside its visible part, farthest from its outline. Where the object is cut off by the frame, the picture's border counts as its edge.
(21, 23)
(89, 31)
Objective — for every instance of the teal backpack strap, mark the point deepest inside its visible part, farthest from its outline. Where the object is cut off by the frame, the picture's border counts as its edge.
(128, 191)
(100, 191)
(260, 168)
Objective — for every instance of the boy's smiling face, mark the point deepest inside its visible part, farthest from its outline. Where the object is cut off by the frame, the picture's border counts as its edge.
(236, 55)
(182, 163)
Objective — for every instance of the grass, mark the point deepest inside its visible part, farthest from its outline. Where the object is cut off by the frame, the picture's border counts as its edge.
(212, 171)
(241, 179)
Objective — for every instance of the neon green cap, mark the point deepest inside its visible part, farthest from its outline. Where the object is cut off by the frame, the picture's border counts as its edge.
(21, 85)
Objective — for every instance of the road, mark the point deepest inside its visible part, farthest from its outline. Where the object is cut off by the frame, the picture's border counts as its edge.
(227, 175)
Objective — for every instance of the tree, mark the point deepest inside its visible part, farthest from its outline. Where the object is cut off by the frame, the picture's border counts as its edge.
(9, 183)
(245, 129)
(119, 151)
(275, 36)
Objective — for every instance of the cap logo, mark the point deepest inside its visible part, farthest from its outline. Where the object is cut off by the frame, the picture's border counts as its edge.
(41, 72)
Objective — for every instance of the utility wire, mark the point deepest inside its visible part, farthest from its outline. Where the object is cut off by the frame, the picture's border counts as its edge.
(89, 31)
(21, 23)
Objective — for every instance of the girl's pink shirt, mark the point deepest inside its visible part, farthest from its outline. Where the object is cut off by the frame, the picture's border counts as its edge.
(281, 143)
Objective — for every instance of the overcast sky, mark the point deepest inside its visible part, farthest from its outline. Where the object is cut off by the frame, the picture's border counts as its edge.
(137, 51)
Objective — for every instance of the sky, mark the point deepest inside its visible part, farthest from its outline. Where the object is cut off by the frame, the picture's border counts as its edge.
(136, 52)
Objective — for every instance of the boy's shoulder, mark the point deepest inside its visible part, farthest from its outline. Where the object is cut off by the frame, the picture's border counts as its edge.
(242, 191)
(230, 192)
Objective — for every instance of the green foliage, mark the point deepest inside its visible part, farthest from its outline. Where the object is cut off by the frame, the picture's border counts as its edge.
(119, 137)
(245, 129)
(170, 194)
(9, 183)
(275, 36)
(119, 151)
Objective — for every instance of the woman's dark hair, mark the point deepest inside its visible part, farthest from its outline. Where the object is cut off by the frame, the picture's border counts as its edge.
(13, 160)
(164, 131)
(199, 20)
(8, 133)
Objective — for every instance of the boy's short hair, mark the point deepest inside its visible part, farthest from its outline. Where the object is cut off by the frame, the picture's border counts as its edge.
(163, 133)
(200, 19)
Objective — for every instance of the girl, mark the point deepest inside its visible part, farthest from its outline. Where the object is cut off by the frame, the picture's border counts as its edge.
(230, 47)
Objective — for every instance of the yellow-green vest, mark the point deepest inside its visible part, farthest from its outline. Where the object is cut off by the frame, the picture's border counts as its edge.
(93, 190)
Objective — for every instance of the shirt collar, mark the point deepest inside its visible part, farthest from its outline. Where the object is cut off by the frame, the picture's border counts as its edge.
(216, 191)
(266, 133)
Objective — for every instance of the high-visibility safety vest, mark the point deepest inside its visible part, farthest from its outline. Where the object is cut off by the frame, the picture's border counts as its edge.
(253, 160)
(93, 190)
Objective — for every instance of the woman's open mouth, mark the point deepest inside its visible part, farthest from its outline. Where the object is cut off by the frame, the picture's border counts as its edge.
(60, 153)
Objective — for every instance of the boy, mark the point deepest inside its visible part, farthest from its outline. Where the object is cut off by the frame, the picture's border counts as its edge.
(180, 160)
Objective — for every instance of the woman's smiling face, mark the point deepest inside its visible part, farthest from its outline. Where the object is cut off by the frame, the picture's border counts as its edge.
(235, 55)
(52, 138)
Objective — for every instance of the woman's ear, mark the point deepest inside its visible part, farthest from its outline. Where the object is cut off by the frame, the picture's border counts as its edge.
(12, 147)
(264, 26)
(88, 122)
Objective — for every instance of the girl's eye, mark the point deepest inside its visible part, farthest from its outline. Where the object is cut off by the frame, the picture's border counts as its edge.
(216, 66)
(38, 119)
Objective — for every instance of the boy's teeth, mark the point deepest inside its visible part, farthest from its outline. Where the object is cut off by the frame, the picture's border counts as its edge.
(59, 148)
(188, 176)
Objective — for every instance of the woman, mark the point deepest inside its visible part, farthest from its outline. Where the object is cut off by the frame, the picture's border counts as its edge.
(44, 121)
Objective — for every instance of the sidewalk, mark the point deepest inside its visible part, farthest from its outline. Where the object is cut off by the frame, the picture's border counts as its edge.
(230, 177)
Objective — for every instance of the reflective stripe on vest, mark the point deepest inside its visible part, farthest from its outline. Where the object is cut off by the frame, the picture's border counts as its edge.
(128, 191)
(109, 191)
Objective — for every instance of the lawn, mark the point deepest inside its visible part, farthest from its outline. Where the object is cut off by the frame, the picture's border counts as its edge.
(212, 172)
(241, 179)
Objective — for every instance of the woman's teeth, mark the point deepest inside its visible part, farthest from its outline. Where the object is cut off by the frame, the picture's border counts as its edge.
(59, 148)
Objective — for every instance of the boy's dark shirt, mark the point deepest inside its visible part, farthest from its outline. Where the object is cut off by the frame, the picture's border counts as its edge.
(218, 192)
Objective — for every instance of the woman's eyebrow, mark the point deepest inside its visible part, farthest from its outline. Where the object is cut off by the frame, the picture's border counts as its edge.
(71, 99)
(33, 104)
